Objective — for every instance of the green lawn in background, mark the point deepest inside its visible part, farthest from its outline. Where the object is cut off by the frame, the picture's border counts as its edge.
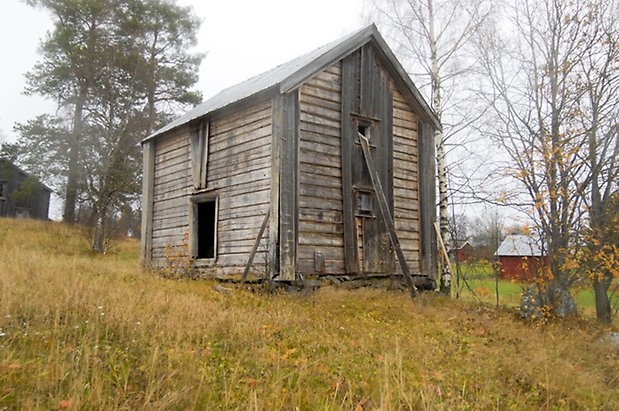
(477, 282)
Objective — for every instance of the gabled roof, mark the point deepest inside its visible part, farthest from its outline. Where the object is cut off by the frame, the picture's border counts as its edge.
(6, 163)
(288, 76)
(464, 245)
(520, 245)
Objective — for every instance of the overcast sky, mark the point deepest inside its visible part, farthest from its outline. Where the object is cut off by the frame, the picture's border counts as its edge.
(242, 38)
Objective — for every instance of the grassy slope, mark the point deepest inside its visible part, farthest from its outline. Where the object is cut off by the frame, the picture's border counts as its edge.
(99, 333)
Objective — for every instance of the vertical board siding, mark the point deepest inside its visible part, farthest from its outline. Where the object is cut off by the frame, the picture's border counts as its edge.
(239, 170)
(320, 171)
(148, 162)
(406, 180)
(172, 186)
(288, 135)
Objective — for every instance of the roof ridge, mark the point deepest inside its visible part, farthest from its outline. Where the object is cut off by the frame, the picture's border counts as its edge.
(222, 98)
(326, 47)
(290, 74)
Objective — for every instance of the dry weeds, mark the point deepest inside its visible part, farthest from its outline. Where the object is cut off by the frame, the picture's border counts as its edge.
(83, 331)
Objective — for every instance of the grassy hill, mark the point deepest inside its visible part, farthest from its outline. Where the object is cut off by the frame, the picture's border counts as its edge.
(83, 331)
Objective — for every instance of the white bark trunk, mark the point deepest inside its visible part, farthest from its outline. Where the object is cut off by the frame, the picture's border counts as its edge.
(440, 145)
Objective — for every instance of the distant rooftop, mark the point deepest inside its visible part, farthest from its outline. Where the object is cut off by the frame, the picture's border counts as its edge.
(520, 245)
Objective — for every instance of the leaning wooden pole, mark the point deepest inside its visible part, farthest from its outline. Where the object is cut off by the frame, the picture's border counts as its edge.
(252, 253)
(446, 278)
(386, 214)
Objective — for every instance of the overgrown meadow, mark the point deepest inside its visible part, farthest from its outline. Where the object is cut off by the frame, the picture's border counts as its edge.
(84, 331)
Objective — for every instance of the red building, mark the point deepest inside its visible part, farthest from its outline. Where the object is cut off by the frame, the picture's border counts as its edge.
(465, 252)
(520, 257)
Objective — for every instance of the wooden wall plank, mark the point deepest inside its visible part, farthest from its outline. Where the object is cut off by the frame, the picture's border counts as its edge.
(349, 104)
(288, 218)
(320, 187)
(147, 202)
(427, 200)
(406, 179)
(238, 170)
(172, 184)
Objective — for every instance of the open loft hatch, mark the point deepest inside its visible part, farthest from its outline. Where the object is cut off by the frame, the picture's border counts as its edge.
(364, 129)
(204, 236)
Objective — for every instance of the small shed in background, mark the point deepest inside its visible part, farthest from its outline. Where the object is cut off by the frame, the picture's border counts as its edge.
(22, 195)
(520, 257)
(464, 252)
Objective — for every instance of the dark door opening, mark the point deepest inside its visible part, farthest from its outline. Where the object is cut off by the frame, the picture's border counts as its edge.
(206, 229)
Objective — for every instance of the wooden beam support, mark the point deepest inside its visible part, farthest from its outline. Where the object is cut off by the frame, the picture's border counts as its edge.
(148, 184)
(276, 142)
(427, 199)
(351, 252)
(288, 189)
(383, 208)
(254, 248)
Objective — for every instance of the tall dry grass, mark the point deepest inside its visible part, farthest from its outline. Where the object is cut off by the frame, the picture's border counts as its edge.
(83, 331)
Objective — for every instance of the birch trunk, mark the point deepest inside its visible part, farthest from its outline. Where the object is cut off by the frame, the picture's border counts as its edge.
(445, 284)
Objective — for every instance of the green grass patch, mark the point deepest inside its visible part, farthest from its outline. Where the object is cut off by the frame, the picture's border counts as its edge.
(473, 269)
(480, 285)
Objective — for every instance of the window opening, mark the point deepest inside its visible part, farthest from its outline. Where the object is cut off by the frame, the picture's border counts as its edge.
(365, 201)
(364, 130)
(3, 190)
(22, 213)
(206, 229)
(199, 149)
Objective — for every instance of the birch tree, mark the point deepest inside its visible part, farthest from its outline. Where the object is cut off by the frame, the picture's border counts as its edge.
(433, 37)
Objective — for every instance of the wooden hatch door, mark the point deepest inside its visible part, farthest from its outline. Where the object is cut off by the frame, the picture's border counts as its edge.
(366, 110)
(373, 245)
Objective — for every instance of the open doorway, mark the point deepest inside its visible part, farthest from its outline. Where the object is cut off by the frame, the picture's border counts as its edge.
(204, 236)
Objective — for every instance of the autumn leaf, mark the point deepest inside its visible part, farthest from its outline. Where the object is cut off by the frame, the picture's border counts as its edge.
(64, 404)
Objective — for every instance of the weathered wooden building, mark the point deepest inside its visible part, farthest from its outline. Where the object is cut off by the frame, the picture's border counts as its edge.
(22, 195)
(279, 157)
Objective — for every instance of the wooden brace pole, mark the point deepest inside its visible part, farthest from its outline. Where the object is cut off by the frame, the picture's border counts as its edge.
(252, 253)
(386, 214)
(444, 252)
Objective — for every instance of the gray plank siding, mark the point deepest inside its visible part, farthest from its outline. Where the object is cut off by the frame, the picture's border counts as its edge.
(172, 186)
(406, 180)
(239, 170)
(320, 169)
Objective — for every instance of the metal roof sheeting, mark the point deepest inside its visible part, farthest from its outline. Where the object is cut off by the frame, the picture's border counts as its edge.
(296, 70)
(254, 85)
(520, 245)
